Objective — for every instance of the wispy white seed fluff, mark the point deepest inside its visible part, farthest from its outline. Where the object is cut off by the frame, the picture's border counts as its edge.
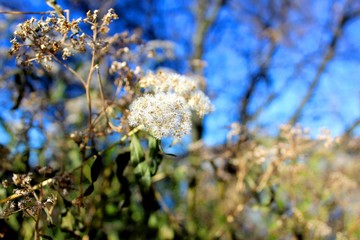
(161, 114)
(184, 86)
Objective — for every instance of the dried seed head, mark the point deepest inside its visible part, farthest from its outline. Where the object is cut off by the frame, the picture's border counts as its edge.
(38, 40)
(5, 183)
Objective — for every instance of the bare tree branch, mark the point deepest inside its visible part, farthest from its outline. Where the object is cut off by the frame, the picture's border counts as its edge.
(204, 22)
(328, 56)
(262, 74)
(352, 127)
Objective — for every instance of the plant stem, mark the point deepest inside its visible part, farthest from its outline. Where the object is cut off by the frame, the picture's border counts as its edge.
(36, 187)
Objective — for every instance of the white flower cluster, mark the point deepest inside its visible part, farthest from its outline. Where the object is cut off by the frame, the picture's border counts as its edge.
(165, 109)
(186, 87)
(161, 114)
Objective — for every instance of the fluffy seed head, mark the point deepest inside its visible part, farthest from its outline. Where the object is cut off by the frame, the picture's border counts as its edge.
(184, 86)
(161, 114)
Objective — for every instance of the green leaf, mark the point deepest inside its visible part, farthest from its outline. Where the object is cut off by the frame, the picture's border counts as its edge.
(145, 180)
(67, 204)
(122, 161)
(137, 154)
(155, 154)
(142, 172)
(87, 171)
(68, 222)
(96, 168)
(153, 221)
(141, 169)
(166, 232)
(89, 190)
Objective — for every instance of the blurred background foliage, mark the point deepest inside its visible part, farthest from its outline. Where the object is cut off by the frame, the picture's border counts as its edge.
(241, 175)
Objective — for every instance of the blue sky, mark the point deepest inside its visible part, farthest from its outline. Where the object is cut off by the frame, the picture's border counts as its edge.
(336, 101)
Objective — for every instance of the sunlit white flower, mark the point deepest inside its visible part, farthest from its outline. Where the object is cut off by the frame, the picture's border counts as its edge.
(161, 114)
(184, 86)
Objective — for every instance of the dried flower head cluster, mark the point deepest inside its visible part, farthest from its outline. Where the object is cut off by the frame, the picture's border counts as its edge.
(183, 86)
(43, 40)
(24, 197)
(92, 19)
(162, 115)
(40, 40)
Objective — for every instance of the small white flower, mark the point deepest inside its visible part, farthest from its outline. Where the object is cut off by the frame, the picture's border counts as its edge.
(161, 114)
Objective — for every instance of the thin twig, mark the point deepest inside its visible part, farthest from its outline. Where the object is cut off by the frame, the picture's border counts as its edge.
(88, 81)
(102, 93)
(38, 215)
(166, 209)
(126, 136)
(70, 69)
(122, 140)
(36, 187)
(24, 13)
(12, 12)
